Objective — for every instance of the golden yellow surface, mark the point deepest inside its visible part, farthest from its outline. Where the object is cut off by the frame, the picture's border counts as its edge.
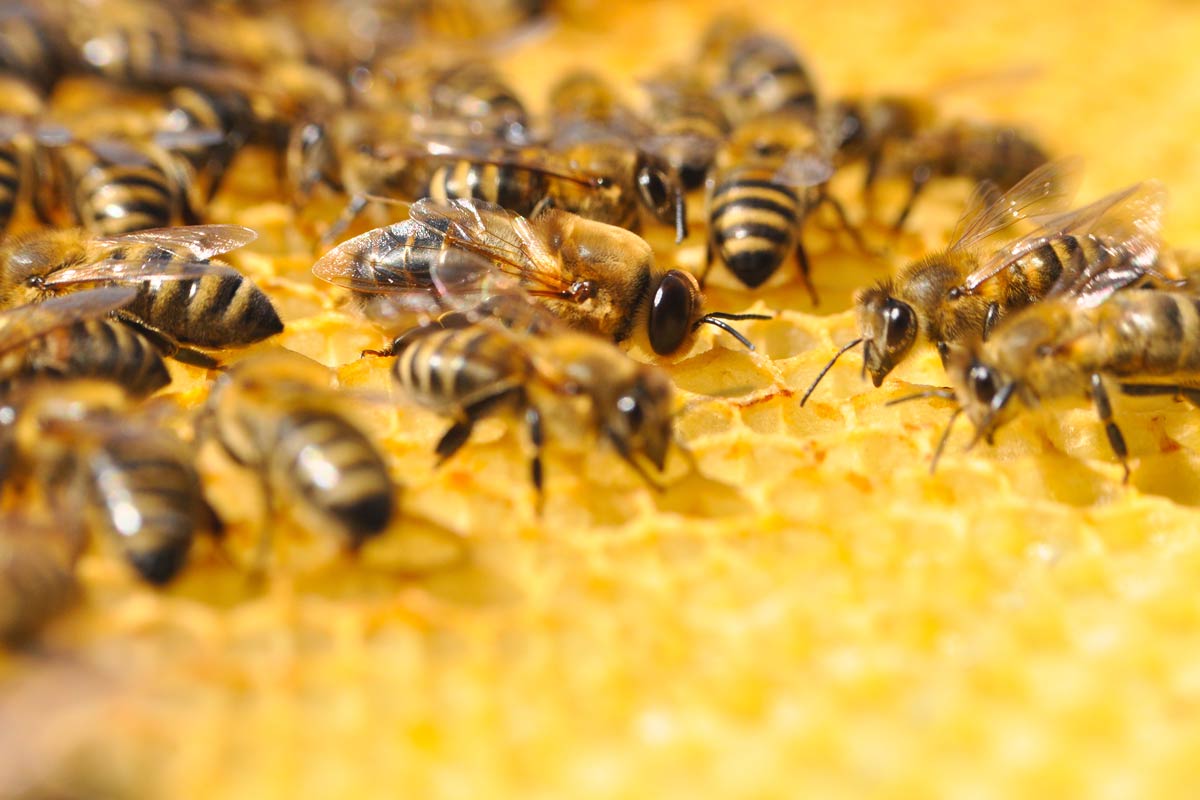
(807, 613)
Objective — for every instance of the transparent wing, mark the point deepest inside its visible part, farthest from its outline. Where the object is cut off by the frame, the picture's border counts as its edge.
(804, 169)
(201, 241)
(1128, 222)
(512, 243)
(136, 270)
(22, 324)
(488, 151)
(1045, 190)
(684, 147)
(471, 284)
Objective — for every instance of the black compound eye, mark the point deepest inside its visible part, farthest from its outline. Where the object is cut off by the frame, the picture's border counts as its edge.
(983, 383)
(898, 324)
(653, 186)
(631, 410)
(671, 312)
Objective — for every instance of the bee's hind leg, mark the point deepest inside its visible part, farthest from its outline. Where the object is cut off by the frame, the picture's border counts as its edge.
(1104, 409)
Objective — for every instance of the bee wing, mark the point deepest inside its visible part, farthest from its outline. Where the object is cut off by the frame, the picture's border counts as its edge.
(1129, 220)
(1045, 190)
(690, 144)
(511, 242)
(470, 283)
(490, 151)
(20, 325)
(201, 241)
(804, 169)
(124, 270)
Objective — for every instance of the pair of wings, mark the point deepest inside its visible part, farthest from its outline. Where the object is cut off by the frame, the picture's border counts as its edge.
(116, 273)
(478, 250)
(1128, 222)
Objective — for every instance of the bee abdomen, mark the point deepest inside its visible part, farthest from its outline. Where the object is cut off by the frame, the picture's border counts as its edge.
(10, 182)
(505, 185)
(150, 502)
(445, 370)
(220, 310)
(120, 200)
(753, 224)
(106, 349)
(336, 471)
(36, 581)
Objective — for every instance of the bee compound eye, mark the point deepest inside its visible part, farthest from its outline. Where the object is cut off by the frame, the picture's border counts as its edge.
(652, 184)
(670, 313)
(983, 383)
(899, 324)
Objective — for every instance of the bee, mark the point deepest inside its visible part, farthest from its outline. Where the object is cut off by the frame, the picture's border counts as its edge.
(687, 126)
(1000, 154)
(112, 186)
(596, 135)
(597, 278)
(74, 336)
(754, 73)
(278, 414)
(492, 365)
(196, 110)
(769, 175)
(93, 459)
(1080, 344)
(862, 129)
(184, 296)
(31, 45)
(957, 293)
(21, 105)
(37, 574)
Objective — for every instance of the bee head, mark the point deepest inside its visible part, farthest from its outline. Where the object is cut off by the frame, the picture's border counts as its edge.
(637, 416)
(889, 328)
(982, 388)
(661, 192)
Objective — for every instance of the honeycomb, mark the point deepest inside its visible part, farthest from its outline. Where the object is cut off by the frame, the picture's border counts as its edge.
(804, 611)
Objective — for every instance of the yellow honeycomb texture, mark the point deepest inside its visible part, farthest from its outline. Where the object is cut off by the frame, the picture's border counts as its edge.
(806, 612)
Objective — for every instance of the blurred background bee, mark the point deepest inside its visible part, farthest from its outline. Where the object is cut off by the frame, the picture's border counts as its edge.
(278, 415)
(37, 573)
(185, 298)
(596, 278)
(84, 452)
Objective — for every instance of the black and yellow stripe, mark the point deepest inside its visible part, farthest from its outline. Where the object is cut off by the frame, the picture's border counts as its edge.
(765, 75)
(451, 371)
(752, 223)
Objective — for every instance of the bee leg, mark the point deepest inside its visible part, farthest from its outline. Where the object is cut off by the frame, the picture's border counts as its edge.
(544, 204)
(355, 207)
(802, 261)
(920, 177)
(454, 438)
(989, 321)
(874, 161)
(166, 344)
(1104, 410)
(533, 420)
(266, 532)
(844, 220)
(708, 262)
(1190, 394)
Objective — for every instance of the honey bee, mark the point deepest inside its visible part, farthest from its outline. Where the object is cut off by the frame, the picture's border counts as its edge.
(863, 128)
(1080, 344)
(977, 151)
(196, 110)
(278, 415)
(74, 336)
(131, 41)
(37, 575)
(687, 127)
(21, 104)
(769, 175)
(93, 459)
(494, 365)
(754, 73)
(112, 186)
(184, 296)
(31, 45)
(959, 292)
(597, 278)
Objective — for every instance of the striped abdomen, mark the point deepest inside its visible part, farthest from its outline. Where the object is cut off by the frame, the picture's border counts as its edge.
(690, 120)
(333, 469)
(106, 349)
(10, 181)
(112, 199)
(766, 75)
(511, 186)
(475, 92)
(218, 310)
(149, 499)
(463, 371)
(752, 222)
(36, 577)
(1143, 333)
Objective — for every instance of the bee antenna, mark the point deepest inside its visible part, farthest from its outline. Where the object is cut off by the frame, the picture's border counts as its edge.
(681, 226)
(719, 321)
(943, 392)
(941, 445)
(725, 315)
(632, 461)
(812, 387)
